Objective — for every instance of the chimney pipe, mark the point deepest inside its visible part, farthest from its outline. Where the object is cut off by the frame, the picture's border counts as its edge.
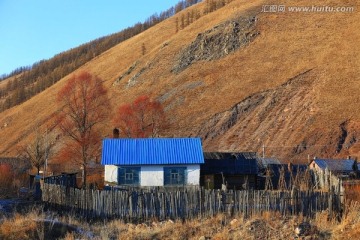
(116, 133)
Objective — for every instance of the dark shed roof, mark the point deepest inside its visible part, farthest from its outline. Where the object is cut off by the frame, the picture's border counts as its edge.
(336, 165)
(231, 163)
(264, 162)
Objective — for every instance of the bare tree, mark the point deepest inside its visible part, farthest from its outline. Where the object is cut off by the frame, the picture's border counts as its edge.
(38, 150)
(143, 49)
(84, 106)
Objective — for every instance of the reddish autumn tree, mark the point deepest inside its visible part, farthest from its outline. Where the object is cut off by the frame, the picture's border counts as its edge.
(142, 118)
(84, 106)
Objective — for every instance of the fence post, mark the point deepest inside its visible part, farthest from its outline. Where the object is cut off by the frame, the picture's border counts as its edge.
(330, 205)
(294, 200)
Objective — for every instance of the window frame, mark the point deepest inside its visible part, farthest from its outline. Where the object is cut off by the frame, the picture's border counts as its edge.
(124, 174)
(175, 176)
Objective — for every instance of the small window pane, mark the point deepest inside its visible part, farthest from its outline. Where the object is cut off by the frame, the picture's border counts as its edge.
(174, 175)
(129, 176)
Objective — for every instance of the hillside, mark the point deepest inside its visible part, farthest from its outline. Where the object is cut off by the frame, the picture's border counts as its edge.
(237, 77)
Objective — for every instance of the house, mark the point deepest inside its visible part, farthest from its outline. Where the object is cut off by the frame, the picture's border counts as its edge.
(152, 161)
(236, 170)
(343, 168)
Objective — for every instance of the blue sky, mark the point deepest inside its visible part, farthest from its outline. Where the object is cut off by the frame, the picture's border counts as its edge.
(32, 30)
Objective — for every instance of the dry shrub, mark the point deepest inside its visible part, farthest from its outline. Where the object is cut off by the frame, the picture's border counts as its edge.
(352, 190)
(192, 229)
(96, 180)
(270, 216)
(349, 228)
(322, 220)
(112, 229)
(19, 227)
(163, 230)
(69, 236)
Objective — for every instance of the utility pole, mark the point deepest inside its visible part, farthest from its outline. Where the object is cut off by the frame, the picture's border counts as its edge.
(263, 151)
(46, 153)
(46, 159)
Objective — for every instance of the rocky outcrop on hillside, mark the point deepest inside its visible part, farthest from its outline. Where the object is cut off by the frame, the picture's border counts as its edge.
(126, 73)
(272, 105)
(278, 115)
(218, 42)
(280, 119)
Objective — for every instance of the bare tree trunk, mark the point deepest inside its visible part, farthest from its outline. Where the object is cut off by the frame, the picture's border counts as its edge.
(84, 172)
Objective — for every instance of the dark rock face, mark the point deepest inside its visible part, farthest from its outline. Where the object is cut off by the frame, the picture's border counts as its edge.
(217, 42)
(128, 72)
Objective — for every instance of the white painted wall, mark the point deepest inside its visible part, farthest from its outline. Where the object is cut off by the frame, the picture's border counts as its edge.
(193, 175)
(315, 167)
(153, 175)
(111, 173)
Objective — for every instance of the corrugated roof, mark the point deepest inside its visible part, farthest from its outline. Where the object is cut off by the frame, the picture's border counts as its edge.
(152, 151)
(264, 162)
(344, 165)
(228, 155)
(229, 163)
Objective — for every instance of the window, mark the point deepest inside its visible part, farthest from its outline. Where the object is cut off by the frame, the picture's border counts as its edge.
(129, 175)
(174, 175)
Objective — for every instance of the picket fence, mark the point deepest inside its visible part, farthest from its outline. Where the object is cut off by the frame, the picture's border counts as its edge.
(144, 205)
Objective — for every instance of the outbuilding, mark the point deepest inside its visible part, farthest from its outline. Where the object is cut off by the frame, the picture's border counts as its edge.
(232, 170)
(343, 168)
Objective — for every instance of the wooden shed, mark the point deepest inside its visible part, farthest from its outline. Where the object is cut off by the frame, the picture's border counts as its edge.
(235, 170)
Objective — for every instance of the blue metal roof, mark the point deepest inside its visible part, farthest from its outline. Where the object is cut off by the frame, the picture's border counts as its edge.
(345, 165)
(152, 151)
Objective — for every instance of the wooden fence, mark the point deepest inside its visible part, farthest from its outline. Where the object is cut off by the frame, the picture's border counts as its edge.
(186, 204)
(326, 180)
